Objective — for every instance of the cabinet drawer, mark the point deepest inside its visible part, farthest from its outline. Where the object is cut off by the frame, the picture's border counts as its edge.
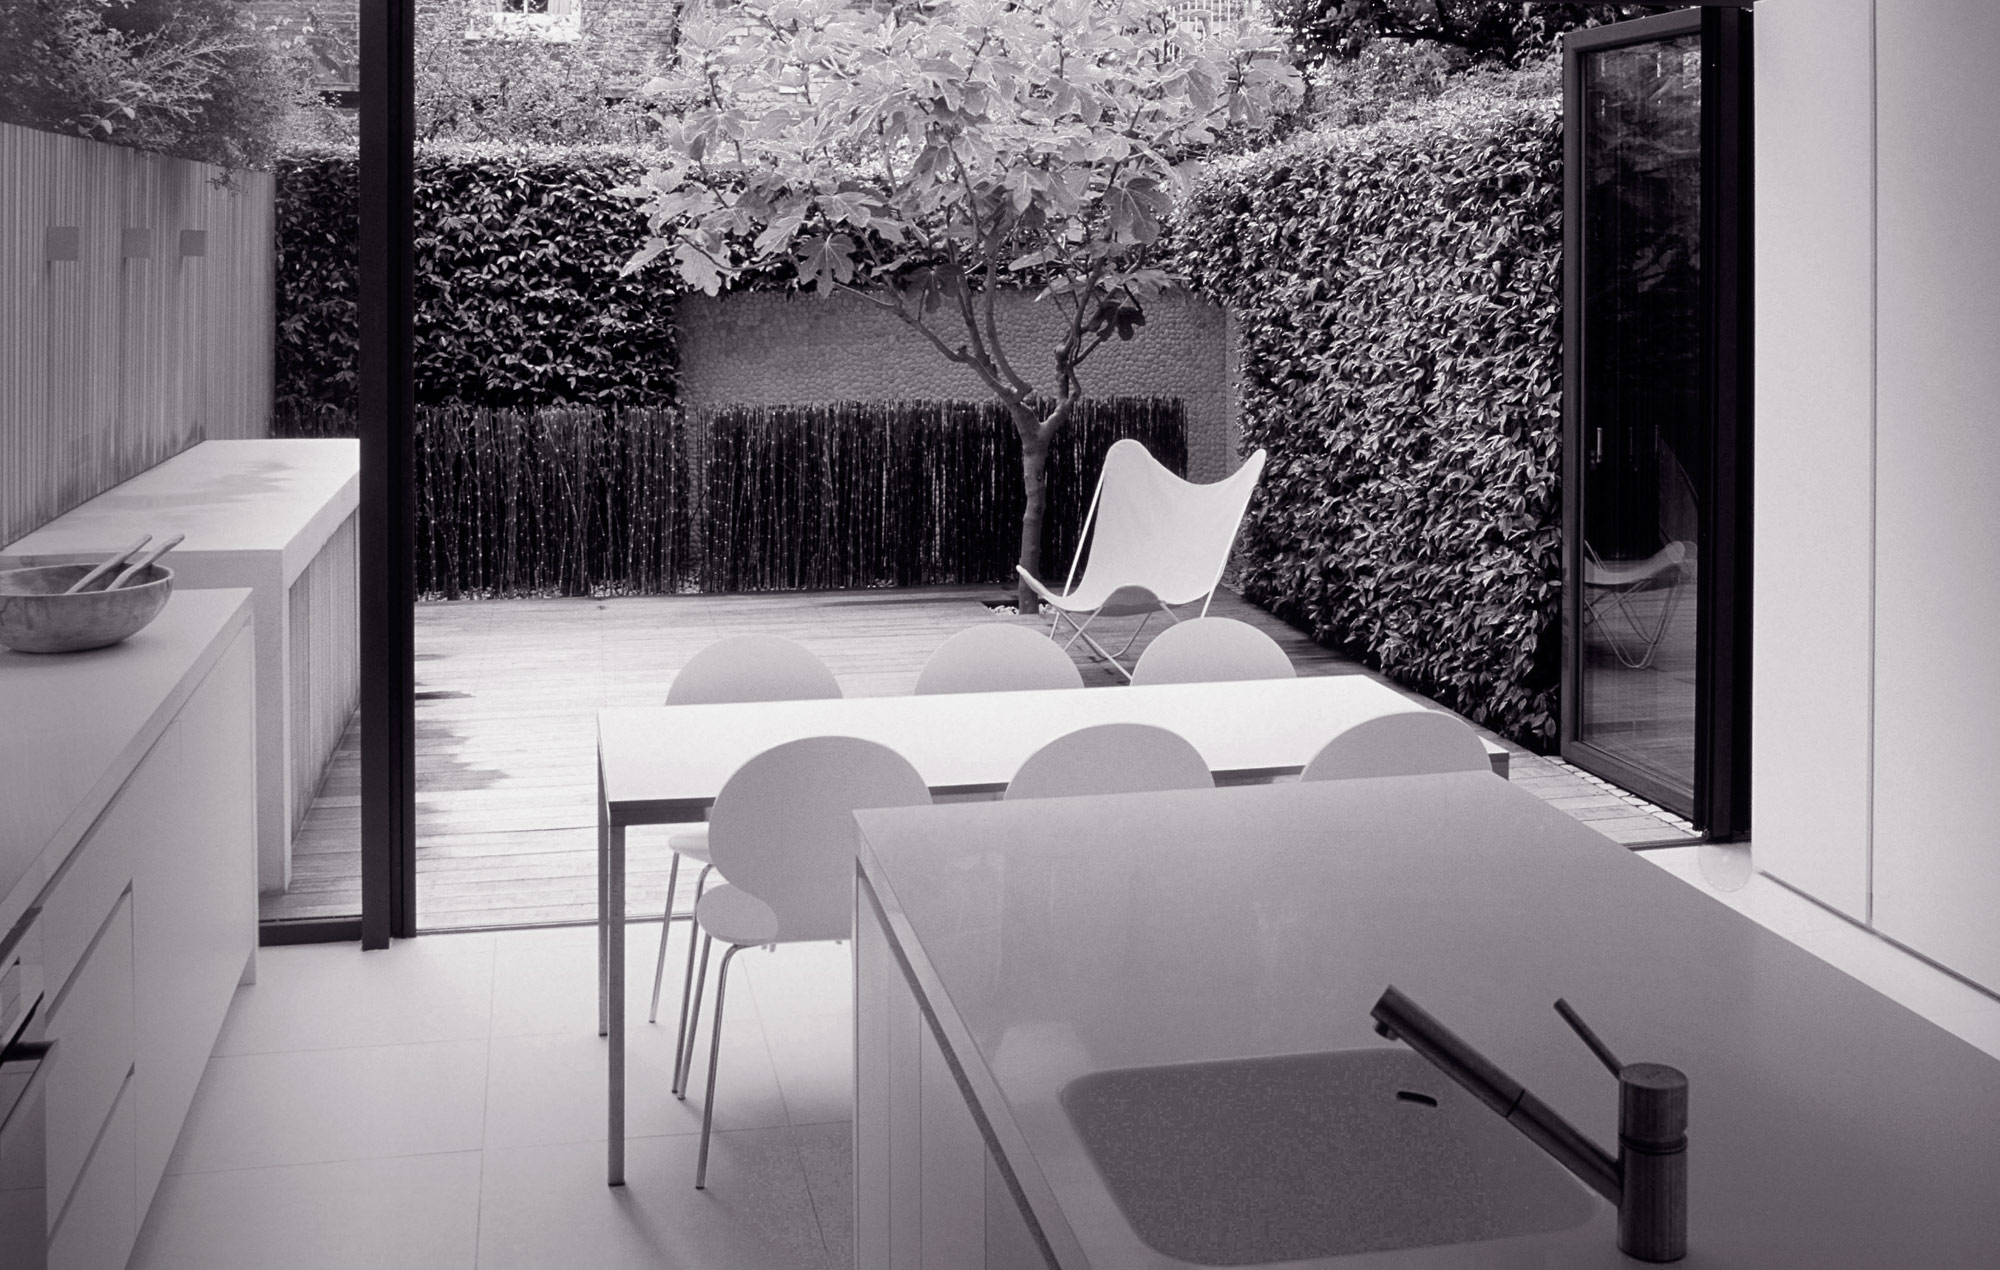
(101, 867)
(102, 1224)
(91, 1026)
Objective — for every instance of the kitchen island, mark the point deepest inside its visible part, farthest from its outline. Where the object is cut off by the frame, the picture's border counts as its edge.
(1005, 950)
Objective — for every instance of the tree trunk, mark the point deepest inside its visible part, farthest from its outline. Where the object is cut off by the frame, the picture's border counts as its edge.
(1034, 484)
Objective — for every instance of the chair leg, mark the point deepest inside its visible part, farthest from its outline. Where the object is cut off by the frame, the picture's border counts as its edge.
(683, 1044)
(666, 928)
(714, 1056)
(684, 1059)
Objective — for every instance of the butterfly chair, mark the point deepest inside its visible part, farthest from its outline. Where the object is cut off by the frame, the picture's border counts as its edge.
(1611, 603)
(1408, 743)
(1155, 543)
(1111, 758)
(1211, 650)
(997, 657)
(782, 832)
(739, 668)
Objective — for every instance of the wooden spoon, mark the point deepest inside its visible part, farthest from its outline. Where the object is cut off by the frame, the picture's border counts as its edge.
(139, 565)
(110, 563)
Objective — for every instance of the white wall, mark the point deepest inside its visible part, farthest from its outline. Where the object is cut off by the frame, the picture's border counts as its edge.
(1877, 596)
(1811, 718)
(1937, 481)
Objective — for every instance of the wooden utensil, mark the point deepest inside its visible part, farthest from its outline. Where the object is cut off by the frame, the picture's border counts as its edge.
(139, 565)
(110, 563)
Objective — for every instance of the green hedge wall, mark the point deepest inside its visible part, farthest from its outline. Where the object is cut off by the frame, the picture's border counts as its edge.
(1397, 293)
(586, 501)
(519, 302)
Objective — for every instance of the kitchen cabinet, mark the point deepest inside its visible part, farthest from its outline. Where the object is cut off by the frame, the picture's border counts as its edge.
(135, 836)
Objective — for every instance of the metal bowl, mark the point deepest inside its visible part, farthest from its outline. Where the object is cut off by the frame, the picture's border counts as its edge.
(36, 617)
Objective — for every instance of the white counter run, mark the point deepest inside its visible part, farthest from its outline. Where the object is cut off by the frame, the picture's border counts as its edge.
(74, 725)
(1829, 1126)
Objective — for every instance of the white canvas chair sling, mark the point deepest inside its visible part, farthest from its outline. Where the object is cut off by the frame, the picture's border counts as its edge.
(1155, 543)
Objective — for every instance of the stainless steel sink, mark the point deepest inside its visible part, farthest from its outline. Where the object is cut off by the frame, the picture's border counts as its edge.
(1261, 1160)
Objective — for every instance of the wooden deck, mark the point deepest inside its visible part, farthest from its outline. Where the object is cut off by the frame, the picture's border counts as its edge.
(507, 694)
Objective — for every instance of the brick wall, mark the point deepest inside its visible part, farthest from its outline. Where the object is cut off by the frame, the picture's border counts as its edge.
(621, 34)
(761, 349)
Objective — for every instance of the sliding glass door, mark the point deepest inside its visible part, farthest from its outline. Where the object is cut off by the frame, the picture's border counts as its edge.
(1655, 410)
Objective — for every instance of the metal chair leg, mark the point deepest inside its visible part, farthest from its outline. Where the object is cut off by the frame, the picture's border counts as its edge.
(714, 1056)
(666, 928)
(683, 1044)
(685, 1059)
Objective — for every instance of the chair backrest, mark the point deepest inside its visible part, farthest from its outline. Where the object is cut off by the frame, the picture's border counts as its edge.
(782, 827)
(998, 657)
(1111, 758)
(1148, 527)
(1211, 650)
(751, 668)
(1408, 743)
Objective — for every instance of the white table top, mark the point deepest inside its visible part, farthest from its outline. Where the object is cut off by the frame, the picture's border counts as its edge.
(668, 762)
(1829, 1126)
(74, 725)
(228, 497)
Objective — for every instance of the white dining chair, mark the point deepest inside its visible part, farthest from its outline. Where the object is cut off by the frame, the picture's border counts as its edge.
(997, 657)
(1211, 650)
(1111, 758)
(736, 669)
(1408, 743)
(782, 832)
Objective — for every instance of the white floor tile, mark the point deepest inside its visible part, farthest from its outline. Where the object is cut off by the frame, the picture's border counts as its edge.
(313, 1106)
(810, 979)
(813, 1055)
(548, 1089)
(548, 1206)
(418, 1212)
(1979, 1028)
(325, 996)
(827, 1151)
(550, 986)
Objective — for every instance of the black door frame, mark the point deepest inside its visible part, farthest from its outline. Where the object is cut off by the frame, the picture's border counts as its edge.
(386, 513)
(1721, 803)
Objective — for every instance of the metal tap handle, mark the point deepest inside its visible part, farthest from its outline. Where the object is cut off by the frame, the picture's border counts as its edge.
(1590, 1038)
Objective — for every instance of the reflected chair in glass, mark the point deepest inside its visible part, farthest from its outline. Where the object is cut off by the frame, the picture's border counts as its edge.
(1151, 543)
(736, 669)
(1211, 650)
(997, 657)
(1611, 600)
(782, 832)
(1111, 758)
(1407, 743)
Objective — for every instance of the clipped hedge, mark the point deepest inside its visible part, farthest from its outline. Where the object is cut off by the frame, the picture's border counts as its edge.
(1397, 292)
(519, 302)
(585, 501)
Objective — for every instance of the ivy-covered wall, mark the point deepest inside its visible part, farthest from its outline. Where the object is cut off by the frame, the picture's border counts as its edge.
(519, 302)
(1396, 289)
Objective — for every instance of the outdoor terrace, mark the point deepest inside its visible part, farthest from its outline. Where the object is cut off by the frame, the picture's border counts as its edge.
(507, 692)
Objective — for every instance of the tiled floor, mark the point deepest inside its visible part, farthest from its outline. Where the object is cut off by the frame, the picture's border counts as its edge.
(440, 1104)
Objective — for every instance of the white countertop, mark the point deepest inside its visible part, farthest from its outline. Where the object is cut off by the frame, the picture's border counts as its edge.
(1829, 1126)
(227, 497)
(74, 725)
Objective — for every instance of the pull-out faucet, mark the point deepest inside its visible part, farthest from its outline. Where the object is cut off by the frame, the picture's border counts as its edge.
(1648, 1178)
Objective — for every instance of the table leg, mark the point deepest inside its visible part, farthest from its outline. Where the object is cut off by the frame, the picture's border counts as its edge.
(603, 905)
(615, 987)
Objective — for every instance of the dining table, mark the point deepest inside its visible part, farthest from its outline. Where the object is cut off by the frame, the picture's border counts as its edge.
(665, 764)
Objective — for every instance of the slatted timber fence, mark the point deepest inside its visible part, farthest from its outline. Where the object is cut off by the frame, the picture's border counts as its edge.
(136, 315)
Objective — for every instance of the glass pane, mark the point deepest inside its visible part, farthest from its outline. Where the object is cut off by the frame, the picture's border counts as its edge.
(1642, 406)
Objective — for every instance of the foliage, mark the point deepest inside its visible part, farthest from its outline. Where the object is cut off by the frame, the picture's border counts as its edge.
(587, 501)
(520, 302)
(514, 90)
(192, 78)
(1502, 31)
(923, 157)
(1397, 295)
